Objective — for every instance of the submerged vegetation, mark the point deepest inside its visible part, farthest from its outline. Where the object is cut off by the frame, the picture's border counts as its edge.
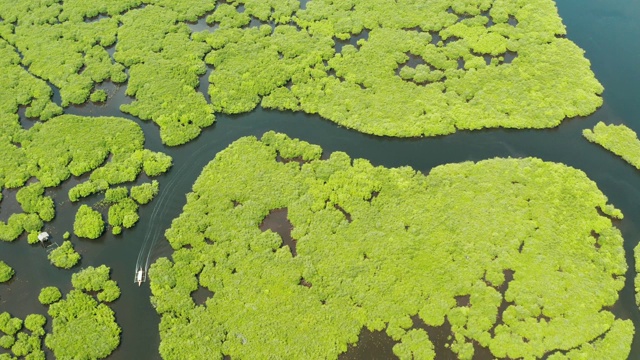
(504, 243)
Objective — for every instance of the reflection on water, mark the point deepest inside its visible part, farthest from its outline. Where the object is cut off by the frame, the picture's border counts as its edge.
(277, 222)
(9, 204)
(372, 345)
(203, 86)
(353, 40)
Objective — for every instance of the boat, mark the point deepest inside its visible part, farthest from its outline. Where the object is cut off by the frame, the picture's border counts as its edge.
(139, 276)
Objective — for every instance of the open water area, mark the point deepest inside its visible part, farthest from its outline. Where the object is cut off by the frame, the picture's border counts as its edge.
(606, 30)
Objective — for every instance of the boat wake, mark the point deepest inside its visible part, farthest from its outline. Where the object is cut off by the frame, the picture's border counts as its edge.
(159, 210)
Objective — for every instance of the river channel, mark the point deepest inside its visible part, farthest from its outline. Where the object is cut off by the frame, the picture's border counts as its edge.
(607, 30)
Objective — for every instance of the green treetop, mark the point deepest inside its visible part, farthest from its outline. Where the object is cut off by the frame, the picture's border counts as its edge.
(49, 295)
(88, 223)
(6, 272)
(64, 256)
(522, 240)
(79, 319)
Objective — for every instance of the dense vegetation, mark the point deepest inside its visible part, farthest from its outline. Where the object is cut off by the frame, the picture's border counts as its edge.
(618, 139)
(49, 295)
(144, 193)
(363, 237)
(409, 69)
(6, 272)
(64, 256)
(504, 242)
(110, 149)
(83, 327)
(123, 209)
(20, 88)
(388, 68)
(32, 200)
(164, 69)
(88, 223)
(97, 280)
(622, 141)
(23, 341)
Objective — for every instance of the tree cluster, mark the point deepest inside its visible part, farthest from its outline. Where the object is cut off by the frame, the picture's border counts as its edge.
(23, 341)
(165, 65)
(94, 279)
(82, 328)
(79, 319)
(521, 239)
(19, 223)
(88, 223)
(64, 256)
(49, 295)
(32, 200)
(19, 88)
(293, 61)
(278, 55)
(144, 193)
(618, 139)
(110, 149)
(63, 49)
(6, 272)
(98, 96)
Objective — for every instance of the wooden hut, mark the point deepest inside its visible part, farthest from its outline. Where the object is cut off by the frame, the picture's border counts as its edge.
(43, 237)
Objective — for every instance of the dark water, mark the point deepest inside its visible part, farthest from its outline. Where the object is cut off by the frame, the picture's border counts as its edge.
(607, 30)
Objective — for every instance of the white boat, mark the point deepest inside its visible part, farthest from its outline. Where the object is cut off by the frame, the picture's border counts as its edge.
(139, 276)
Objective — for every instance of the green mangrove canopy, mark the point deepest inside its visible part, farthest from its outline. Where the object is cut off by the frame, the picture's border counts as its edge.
(398, 68)
(83, 327)
(109, 150)
(493, 248)
(618, 139)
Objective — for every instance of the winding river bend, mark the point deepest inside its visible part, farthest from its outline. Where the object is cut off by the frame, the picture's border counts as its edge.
(607, 30)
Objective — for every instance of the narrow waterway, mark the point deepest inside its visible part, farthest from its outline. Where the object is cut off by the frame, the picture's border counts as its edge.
(607, 30)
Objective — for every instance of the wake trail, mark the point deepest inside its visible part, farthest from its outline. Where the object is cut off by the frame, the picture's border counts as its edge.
(152, 236)
(140, 263)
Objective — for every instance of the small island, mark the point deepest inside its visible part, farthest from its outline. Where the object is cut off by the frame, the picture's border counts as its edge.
(6, 272)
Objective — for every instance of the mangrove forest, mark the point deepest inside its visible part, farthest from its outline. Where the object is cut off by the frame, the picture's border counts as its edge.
(305, 179)
(492, 248)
